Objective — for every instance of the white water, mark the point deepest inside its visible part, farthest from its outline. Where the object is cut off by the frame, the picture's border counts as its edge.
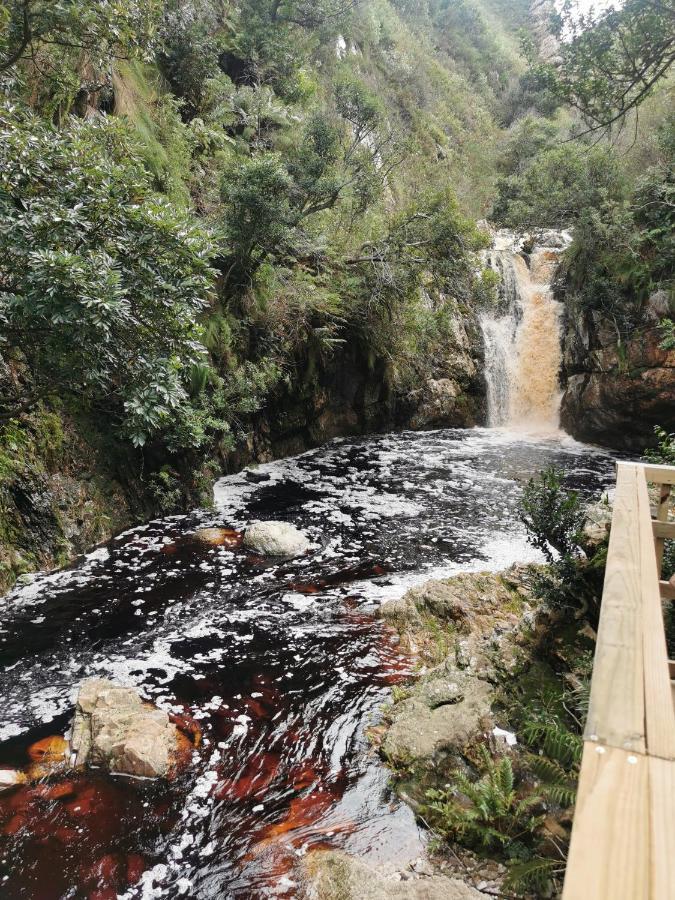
(522, 339)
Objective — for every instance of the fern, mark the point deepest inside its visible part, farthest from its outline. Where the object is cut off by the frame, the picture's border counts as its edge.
(557, 784)
(556, 741)
(534, 876)
(486, 812)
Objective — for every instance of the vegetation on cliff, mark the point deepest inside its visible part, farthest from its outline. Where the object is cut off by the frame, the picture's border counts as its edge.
(211, 209)
(206, 207)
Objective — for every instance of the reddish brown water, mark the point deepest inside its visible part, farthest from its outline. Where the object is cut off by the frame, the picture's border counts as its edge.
(283, 666)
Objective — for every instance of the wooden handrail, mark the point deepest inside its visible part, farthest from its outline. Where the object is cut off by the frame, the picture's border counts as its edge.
(623, 835)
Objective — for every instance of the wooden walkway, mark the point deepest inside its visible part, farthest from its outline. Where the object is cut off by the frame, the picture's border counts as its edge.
(623, 836)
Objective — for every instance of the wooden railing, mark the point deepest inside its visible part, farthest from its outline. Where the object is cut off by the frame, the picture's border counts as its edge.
(623, 836)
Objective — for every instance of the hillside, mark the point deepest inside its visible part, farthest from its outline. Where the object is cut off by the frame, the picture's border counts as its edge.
(329, 171)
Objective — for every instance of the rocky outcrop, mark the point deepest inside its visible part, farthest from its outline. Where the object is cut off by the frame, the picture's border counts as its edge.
(615, 395)
(276, 539)
(331, 875)
(441, 717)
(477, 619)
(115, 730)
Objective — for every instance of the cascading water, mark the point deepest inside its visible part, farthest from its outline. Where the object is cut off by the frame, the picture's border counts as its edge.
(522, 340)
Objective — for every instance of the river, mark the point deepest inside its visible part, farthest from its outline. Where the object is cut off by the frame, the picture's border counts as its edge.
(284, 665)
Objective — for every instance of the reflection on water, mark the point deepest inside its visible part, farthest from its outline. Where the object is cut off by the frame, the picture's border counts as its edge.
(282, 664)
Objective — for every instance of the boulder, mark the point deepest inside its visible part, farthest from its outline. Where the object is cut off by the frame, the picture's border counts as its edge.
(616, 395)
(462, 601)
(333, 875)
(116, 730)
(276, 539)
(441, 717)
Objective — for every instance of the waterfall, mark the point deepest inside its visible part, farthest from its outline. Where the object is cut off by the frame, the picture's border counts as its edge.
(522, 336)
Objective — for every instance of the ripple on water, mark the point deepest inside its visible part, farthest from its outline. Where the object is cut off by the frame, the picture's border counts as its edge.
(282, 664)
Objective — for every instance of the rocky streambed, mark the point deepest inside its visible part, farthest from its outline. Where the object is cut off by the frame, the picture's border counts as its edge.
(274, 670)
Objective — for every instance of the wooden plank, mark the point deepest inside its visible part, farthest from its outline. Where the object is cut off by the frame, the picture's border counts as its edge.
(662, 516)
(667, 590)
(609, 854)
(664, 530)
(662, 823)
(660, 474)
(659, 715)
(616, 710)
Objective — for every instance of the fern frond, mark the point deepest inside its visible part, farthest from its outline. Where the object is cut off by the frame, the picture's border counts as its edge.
(534, 875)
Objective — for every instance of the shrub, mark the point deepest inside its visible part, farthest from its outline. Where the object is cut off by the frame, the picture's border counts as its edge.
(101, 280)
(553, 516)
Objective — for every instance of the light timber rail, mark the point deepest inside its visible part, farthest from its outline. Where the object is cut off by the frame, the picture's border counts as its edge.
(623, 836)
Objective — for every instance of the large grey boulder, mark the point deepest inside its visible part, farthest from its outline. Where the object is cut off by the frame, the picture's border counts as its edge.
(276, 539)
(115, 729)
(332, 875)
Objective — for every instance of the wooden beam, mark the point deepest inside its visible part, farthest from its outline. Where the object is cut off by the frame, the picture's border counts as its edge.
(659, 474)
(659, 715)
(616, 714)
(667, 590)
(662, 824)
(609, 854)
(664, 530)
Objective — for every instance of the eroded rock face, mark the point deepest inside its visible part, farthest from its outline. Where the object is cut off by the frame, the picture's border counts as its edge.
(276, 539)
(116, 730)
(616, 396)
(332, 875)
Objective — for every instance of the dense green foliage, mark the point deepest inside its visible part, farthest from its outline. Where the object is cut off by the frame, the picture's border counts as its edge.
(205, 204)
(275, 180)
(488, 812)
(553, 516)
(611, 60)
(101, 279)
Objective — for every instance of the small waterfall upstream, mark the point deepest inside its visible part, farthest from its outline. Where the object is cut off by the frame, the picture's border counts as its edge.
(522, 337)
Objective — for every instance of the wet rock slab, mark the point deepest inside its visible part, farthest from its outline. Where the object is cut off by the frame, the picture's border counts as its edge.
(332, 875)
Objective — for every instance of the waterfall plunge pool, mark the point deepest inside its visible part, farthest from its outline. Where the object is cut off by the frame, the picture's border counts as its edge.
(284, 665)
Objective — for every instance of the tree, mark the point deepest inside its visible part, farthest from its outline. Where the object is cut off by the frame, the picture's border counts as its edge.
(101, 29)
(611, 62)
(340, 156)
(101, 281)
(274, 37)
(64, 48)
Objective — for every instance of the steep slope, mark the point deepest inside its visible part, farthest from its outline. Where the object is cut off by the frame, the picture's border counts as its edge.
(380, 125)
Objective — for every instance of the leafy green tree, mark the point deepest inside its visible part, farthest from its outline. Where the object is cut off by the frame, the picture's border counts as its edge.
(101, 29)
(101, 281)
(272, 38)
(47, 42)
(612, 60)
(259, 217)
(190, 46)
(340, 157)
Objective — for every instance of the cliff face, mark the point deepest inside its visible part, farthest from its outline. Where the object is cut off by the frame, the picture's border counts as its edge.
(616, 393)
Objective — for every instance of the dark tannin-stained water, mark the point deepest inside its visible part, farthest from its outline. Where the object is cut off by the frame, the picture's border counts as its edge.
(283, 665)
